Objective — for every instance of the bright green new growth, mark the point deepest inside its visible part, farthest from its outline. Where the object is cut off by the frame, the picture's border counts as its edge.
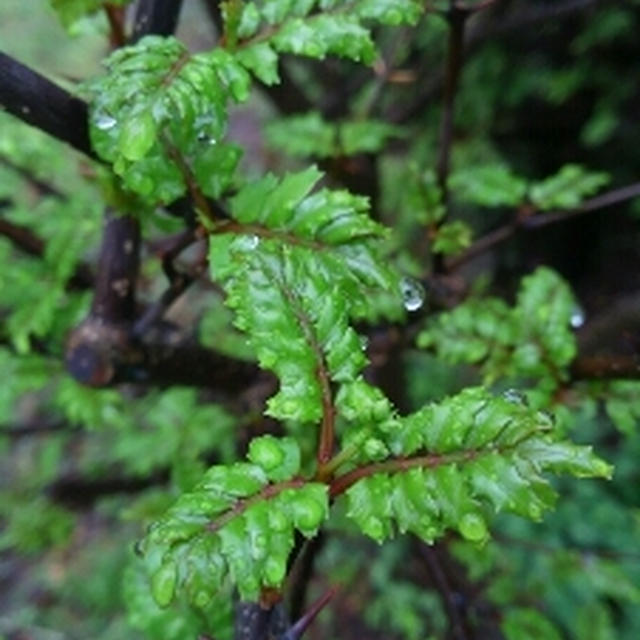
(309, 135)
(70, 11)
(158, 107)
(496, 185)
(296, 268)
(456, 462)
(533, 339)
(160, 113)
(299, 263)
(238, 523)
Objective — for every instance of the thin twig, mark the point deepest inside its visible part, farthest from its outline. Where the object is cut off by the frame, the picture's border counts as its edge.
(534, 220)
(301, 574)
(178, 282)
(602, 201)
(43, 188)
(115, 17)
(458, 626)
(200, 200)
(456, 18)
(605, 367)
(27, 241)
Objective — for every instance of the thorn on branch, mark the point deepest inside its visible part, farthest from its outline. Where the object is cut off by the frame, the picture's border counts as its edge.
(298, 629)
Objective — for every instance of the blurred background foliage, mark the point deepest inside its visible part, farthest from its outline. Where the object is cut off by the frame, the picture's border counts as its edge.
(546, 117)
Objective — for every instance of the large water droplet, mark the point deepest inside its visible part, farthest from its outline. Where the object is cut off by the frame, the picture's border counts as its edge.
(516, 397)
(412, 294)
(577, 317)
(253, 241)
(104, 121)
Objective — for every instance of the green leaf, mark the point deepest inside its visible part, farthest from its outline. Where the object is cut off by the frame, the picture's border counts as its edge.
(533, 339)
(296, 269)
(392, 12)
(70, 11)
(567, 188)
(261, 60)
(315, 37)
(423, 198)
(456, 461)
(137, 136)
(528, 624)
(276, 300)
(545, 305)
(163, 583)
(366, 136)
(452, 237)
(279, 457)
(157, 101)
(235, 524)
(303, 135)
(178, 621)
(621, 402)
(489, 186)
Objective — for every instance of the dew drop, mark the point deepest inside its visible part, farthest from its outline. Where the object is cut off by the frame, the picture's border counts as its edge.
(548, 416)
(577, 317)
(205, 138)
(515, 396)
(104, 121)
(253, 241)
(412, 294)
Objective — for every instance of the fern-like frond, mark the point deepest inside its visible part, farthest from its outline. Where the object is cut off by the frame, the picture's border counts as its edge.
(158, 100)
(296, 267)
(238, 523)
(456, 462)
(533, 339)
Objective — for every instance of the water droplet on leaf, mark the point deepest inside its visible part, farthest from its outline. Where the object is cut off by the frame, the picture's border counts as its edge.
(412, 294)
(516, 396)
(204, 137)
(577, 317)
(104, 121)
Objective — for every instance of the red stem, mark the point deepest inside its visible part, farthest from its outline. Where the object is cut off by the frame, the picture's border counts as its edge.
(341, 484)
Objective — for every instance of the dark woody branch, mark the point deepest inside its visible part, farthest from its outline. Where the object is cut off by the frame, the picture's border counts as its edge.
(159, 17)
(32, 98)
(528, 219)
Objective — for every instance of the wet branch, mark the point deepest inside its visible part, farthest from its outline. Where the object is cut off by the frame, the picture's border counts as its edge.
(30, 97)
(158, 17)
(529, 219)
